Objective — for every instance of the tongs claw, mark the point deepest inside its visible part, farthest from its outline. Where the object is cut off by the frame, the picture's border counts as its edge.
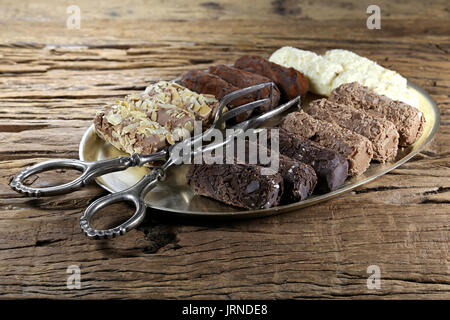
(89, 171)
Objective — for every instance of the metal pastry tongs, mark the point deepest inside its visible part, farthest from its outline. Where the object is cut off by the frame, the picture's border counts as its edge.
(137, 192)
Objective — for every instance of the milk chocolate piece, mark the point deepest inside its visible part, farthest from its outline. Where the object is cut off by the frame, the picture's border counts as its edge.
(207, 83)
(243, 79)
(291, 82)
(331, 168)
(357, 149)
(381, 132)
(240, 185)
(409, 121)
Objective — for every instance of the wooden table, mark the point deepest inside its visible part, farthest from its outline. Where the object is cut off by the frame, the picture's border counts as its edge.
(53, 79)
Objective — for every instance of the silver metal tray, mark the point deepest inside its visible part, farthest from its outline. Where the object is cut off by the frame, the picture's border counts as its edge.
(175, 197)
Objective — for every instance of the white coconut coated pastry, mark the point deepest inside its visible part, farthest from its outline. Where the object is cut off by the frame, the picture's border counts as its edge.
(319, 71)
(338, 66)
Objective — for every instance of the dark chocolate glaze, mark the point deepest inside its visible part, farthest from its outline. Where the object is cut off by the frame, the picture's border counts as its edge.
(331, 168)
(299, 178)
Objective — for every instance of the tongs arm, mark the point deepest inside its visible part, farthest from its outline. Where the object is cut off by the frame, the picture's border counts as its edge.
(135, 194)
(90, 170)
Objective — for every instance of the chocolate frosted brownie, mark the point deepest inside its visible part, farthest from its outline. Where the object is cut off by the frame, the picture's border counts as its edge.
(331, 168)
(409, 121)
(291, 82)
(357, 149)
(240, 185)
(299, 178)
(206, 83)
(243, 79)
(147, 122)
(381, 132)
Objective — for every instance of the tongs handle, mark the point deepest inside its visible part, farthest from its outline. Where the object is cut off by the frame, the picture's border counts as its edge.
(89, 170)
(134, 194)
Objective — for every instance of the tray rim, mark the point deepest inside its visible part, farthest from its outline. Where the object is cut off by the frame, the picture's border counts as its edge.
(297, 205)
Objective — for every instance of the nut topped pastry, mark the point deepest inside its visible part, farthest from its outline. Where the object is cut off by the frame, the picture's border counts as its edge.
(171, 94)
(162, 115)
(131, 131)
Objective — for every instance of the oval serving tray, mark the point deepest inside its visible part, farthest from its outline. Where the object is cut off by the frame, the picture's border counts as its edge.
(174, 196)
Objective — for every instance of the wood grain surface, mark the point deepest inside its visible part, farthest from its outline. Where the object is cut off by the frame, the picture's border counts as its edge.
(53, 79)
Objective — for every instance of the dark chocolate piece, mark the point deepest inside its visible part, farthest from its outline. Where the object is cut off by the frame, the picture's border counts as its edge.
(243, 79)
(299, 178)
(357, 149)
(331, 168)
(207, 83)
(291, 82)
(240, 185)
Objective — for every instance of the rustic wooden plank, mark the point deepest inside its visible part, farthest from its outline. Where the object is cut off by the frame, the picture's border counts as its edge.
(52, 81)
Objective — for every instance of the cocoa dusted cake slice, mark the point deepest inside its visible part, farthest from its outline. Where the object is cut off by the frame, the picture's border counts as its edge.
(207, 83)
(243, 79)
(381, 132)
(331, 168)
(357, 149)
(240, 185)
(409, 121)
(290, 81)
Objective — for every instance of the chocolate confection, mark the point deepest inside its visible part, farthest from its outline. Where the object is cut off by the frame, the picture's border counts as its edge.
(292, 83)
(409, 121)
(331, 168)
(243, 79)
(357, 149)
(162, 115)
(206, 83)
(136, 138)
(240, 185)
(381, 132)
(299, 178)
